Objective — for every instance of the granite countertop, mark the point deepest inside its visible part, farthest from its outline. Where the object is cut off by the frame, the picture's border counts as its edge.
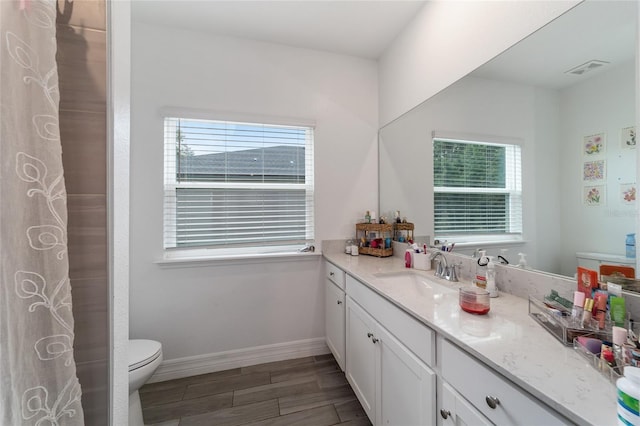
(506, 339)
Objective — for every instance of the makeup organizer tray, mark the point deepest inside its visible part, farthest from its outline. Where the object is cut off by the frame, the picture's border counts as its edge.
(594, 360)
(557, 321)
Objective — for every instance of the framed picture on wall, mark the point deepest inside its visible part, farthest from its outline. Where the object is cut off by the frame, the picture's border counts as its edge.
(628, 193)
(593, 195)
(628, 138)
(594, 145)
(593, 171)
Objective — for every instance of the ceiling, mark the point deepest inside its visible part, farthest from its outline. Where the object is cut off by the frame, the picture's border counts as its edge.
(361, 28)
(594, 30)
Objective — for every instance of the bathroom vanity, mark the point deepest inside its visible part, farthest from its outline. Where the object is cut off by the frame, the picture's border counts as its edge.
(412, 356)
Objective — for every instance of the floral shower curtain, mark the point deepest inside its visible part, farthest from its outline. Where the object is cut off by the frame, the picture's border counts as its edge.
(38, 382)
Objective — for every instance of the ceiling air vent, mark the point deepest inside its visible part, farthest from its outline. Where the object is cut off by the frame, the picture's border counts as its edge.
(586, 67)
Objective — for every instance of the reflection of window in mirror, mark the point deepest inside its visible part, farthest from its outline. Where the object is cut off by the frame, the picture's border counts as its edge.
(477, 191)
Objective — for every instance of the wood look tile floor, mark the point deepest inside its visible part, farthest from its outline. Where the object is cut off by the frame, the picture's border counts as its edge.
(308, 391)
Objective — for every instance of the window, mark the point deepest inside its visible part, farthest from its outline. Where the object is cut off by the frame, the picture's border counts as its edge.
(232, 184)
(477, 190)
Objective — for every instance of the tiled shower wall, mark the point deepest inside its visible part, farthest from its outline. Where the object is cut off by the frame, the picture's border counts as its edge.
(82, 68)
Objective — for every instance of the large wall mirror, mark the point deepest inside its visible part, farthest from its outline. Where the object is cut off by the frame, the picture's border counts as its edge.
(528, 95)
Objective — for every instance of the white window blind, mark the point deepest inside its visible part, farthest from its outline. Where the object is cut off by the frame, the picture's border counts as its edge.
(477, 190)
(231, 184)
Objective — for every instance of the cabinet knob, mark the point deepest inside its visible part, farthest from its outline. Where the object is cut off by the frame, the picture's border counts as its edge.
(339, 302)
(492, 401)
(445, 413)
(369, 335)
(375, 340)
(331, 274)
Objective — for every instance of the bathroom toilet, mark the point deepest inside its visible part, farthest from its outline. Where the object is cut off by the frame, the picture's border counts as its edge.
(144, 358)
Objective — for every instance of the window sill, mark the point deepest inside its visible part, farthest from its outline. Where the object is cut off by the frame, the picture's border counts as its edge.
(231, 259)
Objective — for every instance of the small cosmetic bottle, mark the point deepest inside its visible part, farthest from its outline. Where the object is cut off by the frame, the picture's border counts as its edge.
(578, 303)
(619, 339)
(601, 309)
(586, 313)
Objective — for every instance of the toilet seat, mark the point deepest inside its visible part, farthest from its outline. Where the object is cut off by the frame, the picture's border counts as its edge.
(143, 352)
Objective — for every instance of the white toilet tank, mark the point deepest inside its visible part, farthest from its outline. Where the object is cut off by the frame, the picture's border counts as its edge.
(593, 260)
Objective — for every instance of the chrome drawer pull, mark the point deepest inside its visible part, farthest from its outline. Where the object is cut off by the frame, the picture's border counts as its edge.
(445, 413)
(492, 401)
(339, 302)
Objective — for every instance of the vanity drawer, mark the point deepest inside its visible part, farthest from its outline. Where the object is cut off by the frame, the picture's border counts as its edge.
(483, 387)
(413, 334)
(335, 274)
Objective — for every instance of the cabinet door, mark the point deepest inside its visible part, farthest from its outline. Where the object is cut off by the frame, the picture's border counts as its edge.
(455, 410)
(335, 321)
(407, 387)
(361, 356)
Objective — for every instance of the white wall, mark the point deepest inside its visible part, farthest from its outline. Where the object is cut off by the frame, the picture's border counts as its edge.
(602, 104)
(447, 40)
(476, 106)
(211, 309)
(119, 101)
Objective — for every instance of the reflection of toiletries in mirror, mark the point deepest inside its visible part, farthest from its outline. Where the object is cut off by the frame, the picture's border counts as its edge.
(631, 245)
(587, 281)
(522, 263)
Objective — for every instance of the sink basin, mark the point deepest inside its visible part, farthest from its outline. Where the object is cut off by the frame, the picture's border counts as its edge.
(415, 281)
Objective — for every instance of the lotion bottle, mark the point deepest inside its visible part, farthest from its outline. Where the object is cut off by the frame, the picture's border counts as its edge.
(481, 271)
(522, 263)
(491, 278)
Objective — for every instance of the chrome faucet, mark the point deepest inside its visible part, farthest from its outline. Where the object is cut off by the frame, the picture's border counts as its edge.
(443, 270)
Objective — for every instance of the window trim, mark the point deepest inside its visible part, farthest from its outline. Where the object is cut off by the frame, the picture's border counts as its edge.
(199, 254)
(515, 184)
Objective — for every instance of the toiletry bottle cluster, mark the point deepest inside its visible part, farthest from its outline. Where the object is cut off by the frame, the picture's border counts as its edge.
(595, 304)
(600, 306)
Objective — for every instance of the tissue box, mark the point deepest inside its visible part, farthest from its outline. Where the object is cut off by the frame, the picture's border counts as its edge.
(421, 261)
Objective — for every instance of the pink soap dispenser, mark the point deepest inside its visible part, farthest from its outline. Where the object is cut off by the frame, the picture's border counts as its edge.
(408, 257)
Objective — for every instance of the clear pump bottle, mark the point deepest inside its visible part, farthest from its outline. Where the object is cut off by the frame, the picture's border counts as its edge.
(481, 270)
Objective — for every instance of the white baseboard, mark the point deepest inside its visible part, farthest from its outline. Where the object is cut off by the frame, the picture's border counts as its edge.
(220, 361)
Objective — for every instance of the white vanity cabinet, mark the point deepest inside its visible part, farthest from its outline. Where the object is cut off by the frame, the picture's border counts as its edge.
(500, 401)
(335, 312)
(393, 384)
